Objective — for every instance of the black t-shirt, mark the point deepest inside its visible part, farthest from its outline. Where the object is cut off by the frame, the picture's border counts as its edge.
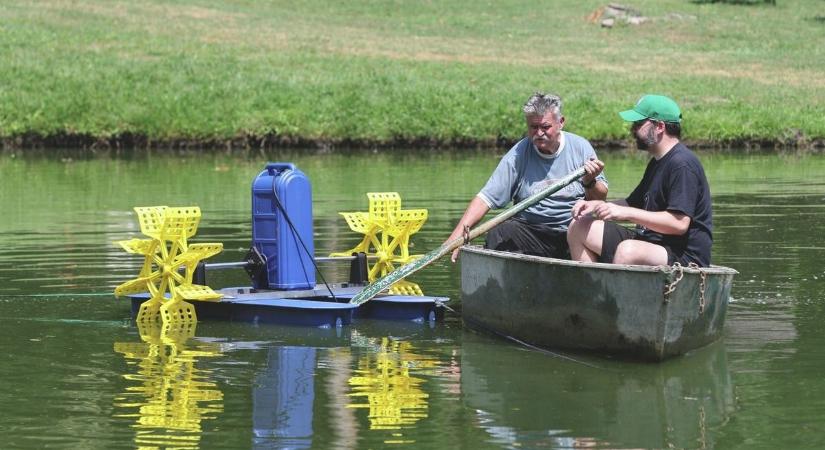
(677, 183)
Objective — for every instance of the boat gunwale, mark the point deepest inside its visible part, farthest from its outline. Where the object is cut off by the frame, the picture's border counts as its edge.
(712, 270)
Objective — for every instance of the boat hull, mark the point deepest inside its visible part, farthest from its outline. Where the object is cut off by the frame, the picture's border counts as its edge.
(605, 308)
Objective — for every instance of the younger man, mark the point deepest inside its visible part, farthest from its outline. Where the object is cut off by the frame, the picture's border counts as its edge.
(671, 206)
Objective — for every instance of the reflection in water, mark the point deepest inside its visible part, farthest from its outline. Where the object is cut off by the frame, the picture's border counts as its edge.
(675, 404)
(344, 424)
(384, 384)
(283, 397)
(171, 394)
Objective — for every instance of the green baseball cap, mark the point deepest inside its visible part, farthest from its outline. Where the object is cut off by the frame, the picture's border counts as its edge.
(656, 107)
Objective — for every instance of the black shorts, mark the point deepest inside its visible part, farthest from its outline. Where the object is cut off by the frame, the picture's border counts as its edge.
(614, 234)
(519, 236)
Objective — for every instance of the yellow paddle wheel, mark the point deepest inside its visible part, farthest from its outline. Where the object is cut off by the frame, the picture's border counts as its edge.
(167, 253)
(387, 229)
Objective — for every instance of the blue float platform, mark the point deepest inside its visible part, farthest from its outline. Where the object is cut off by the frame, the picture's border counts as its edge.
(311, 307)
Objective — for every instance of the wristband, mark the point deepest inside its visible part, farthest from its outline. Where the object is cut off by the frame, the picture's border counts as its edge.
(590, 184)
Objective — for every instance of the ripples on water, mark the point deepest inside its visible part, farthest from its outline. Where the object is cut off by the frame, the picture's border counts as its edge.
(78, 373)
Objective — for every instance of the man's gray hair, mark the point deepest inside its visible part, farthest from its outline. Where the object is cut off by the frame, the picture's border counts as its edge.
(540, 104)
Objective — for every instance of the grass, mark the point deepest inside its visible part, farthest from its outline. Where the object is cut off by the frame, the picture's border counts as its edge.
(389, 72)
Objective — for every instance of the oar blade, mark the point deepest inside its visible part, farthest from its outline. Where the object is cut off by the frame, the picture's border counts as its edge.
(391, 278)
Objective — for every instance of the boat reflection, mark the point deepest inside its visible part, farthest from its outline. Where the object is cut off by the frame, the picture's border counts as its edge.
(169, 395)
(526, 399)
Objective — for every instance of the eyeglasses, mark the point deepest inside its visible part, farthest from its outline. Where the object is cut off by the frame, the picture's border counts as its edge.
(638, 124)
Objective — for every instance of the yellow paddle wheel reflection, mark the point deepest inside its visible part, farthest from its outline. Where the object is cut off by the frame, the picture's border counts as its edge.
(385, 385)
(170, 396)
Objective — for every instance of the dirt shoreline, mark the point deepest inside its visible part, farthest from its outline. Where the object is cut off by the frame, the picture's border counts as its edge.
(72, 144)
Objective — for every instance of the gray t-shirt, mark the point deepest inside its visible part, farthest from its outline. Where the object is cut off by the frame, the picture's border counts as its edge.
(524, 171)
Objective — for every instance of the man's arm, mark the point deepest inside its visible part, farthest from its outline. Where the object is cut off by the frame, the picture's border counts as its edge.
(597, 192)
(474, 212)
(665, 222)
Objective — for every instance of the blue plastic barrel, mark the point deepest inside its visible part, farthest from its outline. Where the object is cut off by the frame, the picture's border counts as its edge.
(282, 194)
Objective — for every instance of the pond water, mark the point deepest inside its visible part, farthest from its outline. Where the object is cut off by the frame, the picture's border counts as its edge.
(78, 373)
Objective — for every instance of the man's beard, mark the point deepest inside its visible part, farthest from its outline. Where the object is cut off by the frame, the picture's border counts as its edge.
(644, 142)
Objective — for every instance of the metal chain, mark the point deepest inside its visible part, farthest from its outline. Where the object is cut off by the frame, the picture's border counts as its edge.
(678, 269)
(671, 286)
(703, 277)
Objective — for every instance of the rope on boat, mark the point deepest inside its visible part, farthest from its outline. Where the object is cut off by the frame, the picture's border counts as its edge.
(525, 344)
(548, 352)
(533, 347)
(449, 309)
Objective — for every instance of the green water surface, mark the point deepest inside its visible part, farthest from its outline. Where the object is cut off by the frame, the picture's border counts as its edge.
(76, 373)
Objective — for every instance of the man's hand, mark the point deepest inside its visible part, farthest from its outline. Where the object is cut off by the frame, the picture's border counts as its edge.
(598, 209)
(592, 168)
(610, 212)
(456, 233)
(454, 254)
(475, 211)
(584, 208)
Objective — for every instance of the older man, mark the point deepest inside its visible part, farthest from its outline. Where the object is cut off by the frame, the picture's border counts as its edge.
(671, 206)
(546, 155)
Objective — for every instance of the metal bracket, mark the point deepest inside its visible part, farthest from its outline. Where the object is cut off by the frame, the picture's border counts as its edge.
(256, 268)
(358, 273)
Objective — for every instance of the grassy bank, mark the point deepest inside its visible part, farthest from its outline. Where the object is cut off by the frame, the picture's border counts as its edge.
(393, 72)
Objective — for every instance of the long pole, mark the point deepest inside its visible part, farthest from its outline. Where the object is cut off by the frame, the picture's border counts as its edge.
(406, 270)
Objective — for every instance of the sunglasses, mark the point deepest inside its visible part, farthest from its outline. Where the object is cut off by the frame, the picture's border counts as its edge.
(638, 124)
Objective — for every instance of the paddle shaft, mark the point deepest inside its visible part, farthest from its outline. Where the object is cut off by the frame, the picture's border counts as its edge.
(404, 271)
